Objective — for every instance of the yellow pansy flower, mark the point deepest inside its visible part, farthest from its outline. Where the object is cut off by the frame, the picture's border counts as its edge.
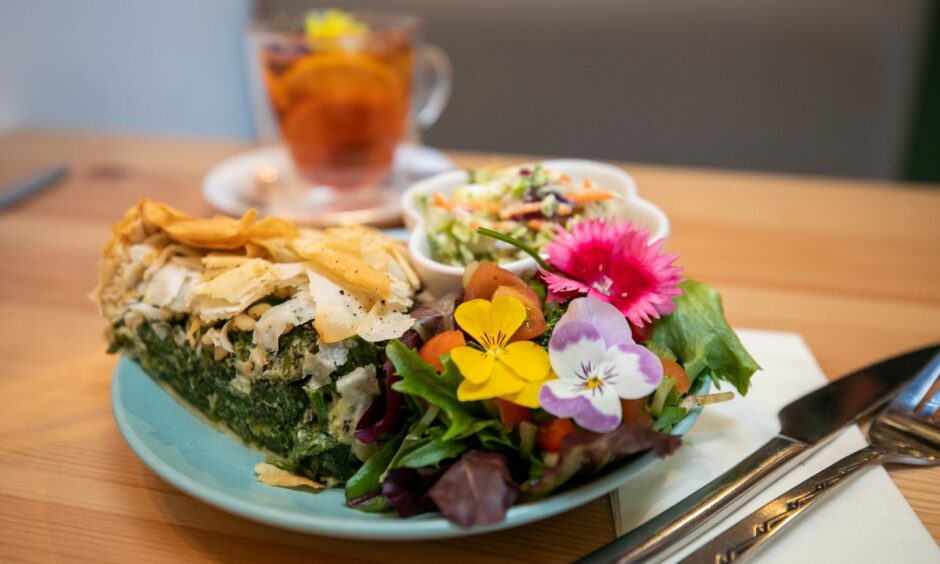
(497, 368)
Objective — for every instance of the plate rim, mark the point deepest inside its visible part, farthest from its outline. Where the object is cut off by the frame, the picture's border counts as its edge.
(220, 185)
(427, 527)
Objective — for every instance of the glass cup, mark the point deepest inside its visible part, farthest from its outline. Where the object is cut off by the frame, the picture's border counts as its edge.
(343, 103)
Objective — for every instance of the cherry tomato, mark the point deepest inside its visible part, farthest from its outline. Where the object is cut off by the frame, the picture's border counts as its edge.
(439, 345)
(510, 414)
(487, 277)
(552, 431)
(672, 369)
(635, 413)
(534, 324)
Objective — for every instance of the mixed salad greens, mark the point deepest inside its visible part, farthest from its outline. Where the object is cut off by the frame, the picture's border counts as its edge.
(508, 392)
(526, 202)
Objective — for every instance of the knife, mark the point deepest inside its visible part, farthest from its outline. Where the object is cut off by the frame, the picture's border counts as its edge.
(20, 190)
(805, 423)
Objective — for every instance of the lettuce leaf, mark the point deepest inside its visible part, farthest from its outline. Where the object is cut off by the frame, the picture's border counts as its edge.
(365, 486)
(435, 316)
(419, 379)
(476, 489)
(389, 407)
(432, 449)
(406, 489)
(587, 453)
(671, 414)
(700, 337)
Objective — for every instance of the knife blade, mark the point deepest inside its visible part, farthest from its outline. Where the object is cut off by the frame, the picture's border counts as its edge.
(20, 190)
(804, 424)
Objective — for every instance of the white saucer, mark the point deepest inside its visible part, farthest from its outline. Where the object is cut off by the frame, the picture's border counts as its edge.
(232, 187)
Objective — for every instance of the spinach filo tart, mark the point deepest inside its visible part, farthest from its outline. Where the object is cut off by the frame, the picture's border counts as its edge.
(273, 331)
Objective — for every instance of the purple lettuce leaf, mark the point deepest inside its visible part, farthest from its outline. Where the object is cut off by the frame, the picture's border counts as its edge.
(387, 409)
(384, 413)
(476, 489)
(406, 489)
(586, 453)
(435, 316)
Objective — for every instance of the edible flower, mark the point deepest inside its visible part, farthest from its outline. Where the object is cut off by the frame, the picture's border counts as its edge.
(597, 364)
(331, 23)
(615, 263)
(493, 367)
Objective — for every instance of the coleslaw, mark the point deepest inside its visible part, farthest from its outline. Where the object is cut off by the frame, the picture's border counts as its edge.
(528, 202)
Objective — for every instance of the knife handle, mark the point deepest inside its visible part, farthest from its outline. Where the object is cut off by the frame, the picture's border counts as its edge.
(750, 533)
(671, 529)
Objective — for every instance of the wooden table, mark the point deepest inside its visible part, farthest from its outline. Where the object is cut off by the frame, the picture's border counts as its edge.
(854, 266)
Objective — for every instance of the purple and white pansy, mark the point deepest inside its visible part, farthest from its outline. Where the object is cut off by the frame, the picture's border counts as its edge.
(597, 363)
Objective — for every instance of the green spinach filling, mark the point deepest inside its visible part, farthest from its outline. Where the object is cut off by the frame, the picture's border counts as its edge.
(277, 412)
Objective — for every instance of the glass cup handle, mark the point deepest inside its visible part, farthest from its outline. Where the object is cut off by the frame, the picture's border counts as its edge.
(433, 58)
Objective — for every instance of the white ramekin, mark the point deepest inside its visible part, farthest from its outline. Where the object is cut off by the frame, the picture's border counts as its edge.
(440, 278)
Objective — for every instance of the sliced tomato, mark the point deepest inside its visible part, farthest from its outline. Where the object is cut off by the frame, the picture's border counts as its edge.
(439, 345)
(510, 414)
(487, 277)
(635, 413)
(552, 431)
(672, 369)
(534, 324)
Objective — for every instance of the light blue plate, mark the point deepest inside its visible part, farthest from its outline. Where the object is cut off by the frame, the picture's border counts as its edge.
(219, 469)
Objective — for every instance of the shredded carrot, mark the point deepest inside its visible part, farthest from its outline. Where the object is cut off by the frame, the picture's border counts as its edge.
(588, 196)
(521, 209)
(480, 206)
(535, 224)
(565, 209)
(440, 200)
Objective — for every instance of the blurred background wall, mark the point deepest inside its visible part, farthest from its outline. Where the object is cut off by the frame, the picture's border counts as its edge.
(782, 85)
(168, 67)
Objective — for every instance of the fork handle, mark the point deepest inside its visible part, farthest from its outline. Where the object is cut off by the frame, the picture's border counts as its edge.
(747, 535)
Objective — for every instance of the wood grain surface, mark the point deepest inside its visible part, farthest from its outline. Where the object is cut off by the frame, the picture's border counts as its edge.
(853, 266)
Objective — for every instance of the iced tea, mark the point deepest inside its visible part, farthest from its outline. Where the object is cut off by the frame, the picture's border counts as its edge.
(342, 108)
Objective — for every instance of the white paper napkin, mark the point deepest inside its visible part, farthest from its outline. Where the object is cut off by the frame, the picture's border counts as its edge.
(864, 520)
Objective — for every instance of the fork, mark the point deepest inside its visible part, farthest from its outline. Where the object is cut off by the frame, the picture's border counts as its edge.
(907, 431)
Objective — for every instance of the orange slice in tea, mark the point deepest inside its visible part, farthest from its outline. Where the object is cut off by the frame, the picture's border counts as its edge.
(343, 75)
(345, 114)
